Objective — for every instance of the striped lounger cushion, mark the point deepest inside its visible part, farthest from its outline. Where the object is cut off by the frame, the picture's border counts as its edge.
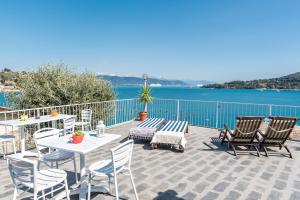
(146, 129)
(171, 133)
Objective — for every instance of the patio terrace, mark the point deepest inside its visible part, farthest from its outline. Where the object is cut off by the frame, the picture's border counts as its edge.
(205, 170)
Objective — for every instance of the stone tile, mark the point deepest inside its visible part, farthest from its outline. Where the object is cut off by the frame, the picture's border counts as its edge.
(241, 186)
(275, 195)
(210, 196)
(233, 195)
(254, 196)
(280, 185)
(189, 196)
(200, 187)
(212, 177)
(220, 187)
(295, 195)
(266, 176)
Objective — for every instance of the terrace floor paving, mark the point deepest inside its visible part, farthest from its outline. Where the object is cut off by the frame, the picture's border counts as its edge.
(206, 170)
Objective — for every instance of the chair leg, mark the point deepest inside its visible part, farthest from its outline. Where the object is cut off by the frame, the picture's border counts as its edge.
(35, 195)
(15, 193)
(43, 193)
(67, 189)
(288, 150)
(265, 150)
(223, 139)
(133, 185)
(56, 164)
(89, 187)
(109, 184)
(75, 169)
(233, 148)
(116, 187)
(255, 147)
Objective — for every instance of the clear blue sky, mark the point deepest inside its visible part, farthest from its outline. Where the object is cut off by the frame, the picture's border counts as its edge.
(217, 40)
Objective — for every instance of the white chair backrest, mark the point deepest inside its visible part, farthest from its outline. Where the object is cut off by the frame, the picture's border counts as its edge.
(43, 134)
(69, 125)
(121, 155)
(86, 115)
(21, 169)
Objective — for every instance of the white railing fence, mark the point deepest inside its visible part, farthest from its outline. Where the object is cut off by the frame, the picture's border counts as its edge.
(215, 114)
(212, 114)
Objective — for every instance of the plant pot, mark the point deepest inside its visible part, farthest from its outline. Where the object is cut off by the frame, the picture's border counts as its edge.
(77, 139)
(143, 116)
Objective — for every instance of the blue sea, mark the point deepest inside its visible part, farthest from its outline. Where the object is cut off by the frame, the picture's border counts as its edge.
(213, 108)
(279, 97)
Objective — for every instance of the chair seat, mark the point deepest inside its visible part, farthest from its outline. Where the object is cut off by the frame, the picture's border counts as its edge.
(58, 155)
(102, 168)
(6, 138)
(82, 123)
(48, 178)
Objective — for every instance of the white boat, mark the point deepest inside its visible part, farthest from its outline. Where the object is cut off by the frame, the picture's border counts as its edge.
(155, 85)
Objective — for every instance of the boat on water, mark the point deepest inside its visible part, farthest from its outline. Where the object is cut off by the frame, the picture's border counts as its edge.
(155, 85)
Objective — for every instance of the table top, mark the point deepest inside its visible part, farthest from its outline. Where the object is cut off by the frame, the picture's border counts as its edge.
(90, 142)
(33, 120)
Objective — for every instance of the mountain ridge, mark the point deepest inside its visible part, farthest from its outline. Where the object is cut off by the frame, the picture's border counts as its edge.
(290, 81)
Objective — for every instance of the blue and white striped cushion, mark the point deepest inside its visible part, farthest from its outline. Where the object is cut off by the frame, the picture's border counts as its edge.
(151, 122)
(175, 126)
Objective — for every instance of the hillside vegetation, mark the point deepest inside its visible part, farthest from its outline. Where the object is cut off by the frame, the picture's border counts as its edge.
(291, 81)
(133, 81)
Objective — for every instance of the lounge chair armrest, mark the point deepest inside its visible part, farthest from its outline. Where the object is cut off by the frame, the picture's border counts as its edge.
(259, 135)
(227, 129)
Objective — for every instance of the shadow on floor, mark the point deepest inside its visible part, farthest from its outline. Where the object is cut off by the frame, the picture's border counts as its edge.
(215, 145)
(168, 195)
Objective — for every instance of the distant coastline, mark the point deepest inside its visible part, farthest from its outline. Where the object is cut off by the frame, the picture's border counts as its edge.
(291, 82)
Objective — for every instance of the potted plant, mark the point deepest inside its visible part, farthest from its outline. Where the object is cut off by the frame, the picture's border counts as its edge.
(145, 98)
(77, 137)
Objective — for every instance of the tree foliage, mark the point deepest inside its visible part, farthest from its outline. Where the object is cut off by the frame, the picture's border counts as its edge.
(145, 97)
(53, 85)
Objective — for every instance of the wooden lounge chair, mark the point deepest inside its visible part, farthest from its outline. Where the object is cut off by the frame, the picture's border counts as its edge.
(172, 133)
(243, 134)
(146, 129)
(277, 132)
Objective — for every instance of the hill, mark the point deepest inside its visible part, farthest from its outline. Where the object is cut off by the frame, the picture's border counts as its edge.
(132, 81)
(291, 81)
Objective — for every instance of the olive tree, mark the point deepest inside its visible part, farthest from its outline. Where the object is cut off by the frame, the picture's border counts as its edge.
(53, 85)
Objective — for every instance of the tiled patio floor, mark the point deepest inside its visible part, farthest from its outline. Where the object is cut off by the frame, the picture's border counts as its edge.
(204, 171)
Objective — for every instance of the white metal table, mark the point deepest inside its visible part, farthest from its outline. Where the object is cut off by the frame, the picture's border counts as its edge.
(31, 121)
(90, 142)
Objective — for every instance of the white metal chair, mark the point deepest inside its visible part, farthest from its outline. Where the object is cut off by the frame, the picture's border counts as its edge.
(69, 125)
(120, 163)
(52, 156)
(86, 119)
(8, 138)
(26, 176)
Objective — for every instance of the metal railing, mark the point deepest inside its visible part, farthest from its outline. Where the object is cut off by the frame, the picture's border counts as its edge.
(212, 114)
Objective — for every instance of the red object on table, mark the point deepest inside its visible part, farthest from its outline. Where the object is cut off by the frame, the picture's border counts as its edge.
(77, 139)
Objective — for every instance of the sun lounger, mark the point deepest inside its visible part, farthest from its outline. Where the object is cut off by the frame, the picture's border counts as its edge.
(172, 133)
(243, 134)
(146, 129)
(277, 132)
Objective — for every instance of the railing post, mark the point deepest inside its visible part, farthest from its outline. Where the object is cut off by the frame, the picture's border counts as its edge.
(270, 110)
(115, 113)
(217, 115)
(178, 110)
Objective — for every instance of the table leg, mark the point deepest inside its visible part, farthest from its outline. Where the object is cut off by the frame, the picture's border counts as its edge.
(22, 134)
(23, 141)
(83, 181)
